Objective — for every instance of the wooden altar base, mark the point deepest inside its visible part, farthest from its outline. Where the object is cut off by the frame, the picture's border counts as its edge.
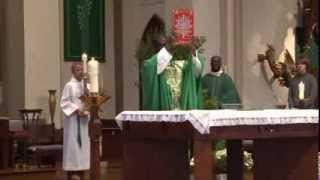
(288, 158)
(280, 152)
(156, 151)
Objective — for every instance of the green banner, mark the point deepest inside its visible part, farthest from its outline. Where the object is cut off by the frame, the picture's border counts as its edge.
(84, 29)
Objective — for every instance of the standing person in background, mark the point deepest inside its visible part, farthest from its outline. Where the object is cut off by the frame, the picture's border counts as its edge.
(76, 144)
(220, 91)
(303, 97)
(219, 85)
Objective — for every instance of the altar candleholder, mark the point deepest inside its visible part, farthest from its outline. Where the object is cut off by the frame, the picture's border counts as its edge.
(92, 103)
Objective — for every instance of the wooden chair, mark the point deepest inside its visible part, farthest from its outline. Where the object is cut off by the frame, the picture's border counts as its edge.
(41, 142)
(30, 117)
(46, 150)
(30, 120)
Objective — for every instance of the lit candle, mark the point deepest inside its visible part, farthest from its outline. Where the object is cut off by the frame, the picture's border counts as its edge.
(93, 70)
(84, 59)
(301, 90)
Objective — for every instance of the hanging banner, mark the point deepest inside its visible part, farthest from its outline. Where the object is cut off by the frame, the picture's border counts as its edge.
(182, 25)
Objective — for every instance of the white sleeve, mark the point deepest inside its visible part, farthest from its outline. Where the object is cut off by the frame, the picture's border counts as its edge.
(163, 59)
(66, 103)
(197, 64)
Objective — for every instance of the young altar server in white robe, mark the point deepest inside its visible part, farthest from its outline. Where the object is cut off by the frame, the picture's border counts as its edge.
(76, 145)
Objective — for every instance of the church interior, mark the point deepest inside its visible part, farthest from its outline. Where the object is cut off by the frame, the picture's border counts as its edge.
(258, 41)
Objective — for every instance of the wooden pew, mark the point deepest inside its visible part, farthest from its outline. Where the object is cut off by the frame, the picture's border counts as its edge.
(4, 143)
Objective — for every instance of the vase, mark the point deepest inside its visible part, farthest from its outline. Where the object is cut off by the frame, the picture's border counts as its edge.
(52, 105)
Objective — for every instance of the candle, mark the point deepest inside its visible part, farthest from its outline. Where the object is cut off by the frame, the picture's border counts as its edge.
(84, 59)
(301, 90)
(93, 70)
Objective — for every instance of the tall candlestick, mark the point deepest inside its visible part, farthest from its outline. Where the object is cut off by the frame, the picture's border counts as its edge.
(84, 58)
(93, 67)
(301, 90)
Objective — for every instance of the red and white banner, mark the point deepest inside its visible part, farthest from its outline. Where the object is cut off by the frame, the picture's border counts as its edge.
(182, 25)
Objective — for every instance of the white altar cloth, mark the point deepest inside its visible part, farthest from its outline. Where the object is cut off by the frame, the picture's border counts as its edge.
(152, 116)
(202, 120)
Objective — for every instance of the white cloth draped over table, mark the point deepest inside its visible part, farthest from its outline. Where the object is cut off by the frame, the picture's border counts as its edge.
(74, 157)
(202, 120)
(151, 116)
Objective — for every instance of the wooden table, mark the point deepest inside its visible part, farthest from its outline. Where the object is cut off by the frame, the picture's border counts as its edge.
(280, 152)
(159, 150)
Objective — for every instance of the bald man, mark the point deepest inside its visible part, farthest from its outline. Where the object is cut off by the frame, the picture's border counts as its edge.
(76, 145)
(219, 84)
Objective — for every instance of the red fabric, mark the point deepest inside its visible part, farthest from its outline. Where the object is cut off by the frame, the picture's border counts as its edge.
(20, 134)
(182, 25)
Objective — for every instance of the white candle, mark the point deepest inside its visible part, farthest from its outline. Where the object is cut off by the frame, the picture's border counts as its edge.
(301, 90)
(93, 70)
(84, 59)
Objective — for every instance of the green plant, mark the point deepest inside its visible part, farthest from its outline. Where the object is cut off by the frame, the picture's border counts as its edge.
(247, 160)
(209, 103)
(179, 51)
(220, 155)
(221, 160)
(184, 51)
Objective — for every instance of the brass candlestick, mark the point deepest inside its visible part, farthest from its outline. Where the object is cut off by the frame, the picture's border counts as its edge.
(92, 103)
(52, 109)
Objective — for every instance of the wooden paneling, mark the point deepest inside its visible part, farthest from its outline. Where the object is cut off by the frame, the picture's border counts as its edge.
(280, 152)
(112, 141)
(290, 159)
(156, 151)
(4, 143)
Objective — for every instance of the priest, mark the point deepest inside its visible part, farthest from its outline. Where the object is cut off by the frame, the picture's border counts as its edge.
(168, 83)
(219, 85)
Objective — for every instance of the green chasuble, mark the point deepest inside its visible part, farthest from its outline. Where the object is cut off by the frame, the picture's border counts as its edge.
(221, 89)
(175, 88)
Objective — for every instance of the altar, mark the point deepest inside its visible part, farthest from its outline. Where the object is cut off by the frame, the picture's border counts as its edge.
(157, 142)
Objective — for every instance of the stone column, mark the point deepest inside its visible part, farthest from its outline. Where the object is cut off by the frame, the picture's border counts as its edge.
(231, 39)
(13, 56)
(207, 23)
